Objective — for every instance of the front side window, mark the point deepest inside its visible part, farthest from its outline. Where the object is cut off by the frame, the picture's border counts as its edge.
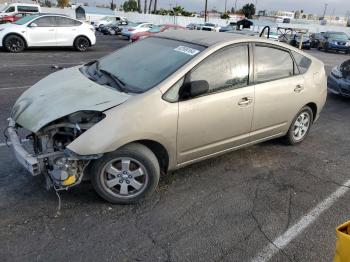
(46, 21)
(146, 63)
(271, 64)
(225, 69)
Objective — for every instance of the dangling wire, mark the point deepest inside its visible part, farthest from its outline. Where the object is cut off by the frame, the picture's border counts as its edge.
(58, 212)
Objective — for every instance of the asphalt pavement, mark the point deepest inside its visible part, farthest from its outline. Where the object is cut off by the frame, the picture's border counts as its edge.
(230, 208)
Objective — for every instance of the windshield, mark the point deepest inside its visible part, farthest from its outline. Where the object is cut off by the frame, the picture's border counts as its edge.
(144, 64)
(338, 36)
(25, 19)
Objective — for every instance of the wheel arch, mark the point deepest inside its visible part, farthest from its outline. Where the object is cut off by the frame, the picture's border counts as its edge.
(158, 150)
(75, 39)
(16, 34)
(313, 107)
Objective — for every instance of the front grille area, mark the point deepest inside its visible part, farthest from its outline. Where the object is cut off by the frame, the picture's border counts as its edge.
(345, 91)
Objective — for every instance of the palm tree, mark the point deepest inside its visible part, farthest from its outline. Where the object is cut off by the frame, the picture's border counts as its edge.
(139, 6)
(155, 6)
(150, 6)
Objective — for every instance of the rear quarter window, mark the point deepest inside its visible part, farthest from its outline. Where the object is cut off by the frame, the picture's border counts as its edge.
(302, 62)
(28, 9)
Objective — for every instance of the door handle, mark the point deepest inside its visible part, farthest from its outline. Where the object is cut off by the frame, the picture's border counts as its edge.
(50, 30)
(299, 88)
(245, 101)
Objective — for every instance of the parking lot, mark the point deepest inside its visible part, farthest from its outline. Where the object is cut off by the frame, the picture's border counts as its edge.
(232, 208)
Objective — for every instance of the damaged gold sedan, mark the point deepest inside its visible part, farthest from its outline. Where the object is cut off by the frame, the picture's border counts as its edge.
(163, 103)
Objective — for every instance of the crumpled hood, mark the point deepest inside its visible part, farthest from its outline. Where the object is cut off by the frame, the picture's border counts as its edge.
(60, 94)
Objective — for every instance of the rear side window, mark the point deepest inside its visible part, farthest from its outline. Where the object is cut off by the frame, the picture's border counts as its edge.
(271, 64)
(27, 9)
(66, 22)
(302, 62)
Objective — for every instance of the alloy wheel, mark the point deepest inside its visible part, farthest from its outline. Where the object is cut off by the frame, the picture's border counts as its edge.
(124, 177)
(83, 44)
(14, 45)
(301, 126)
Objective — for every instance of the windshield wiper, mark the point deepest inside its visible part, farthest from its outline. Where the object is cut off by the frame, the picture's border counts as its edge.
(120, 83)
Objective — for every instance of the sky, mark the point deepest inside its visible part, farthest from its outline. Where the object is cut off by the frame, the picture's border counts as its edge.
(309, 6)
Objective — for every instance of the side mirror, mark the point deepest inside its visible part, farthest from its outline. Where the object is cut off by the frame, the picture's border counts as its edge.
(194, 89)
(33, 25)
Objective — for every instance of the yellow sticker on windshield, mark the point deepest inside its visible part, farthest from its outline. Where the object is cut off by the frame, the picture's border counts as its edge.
(187, 50)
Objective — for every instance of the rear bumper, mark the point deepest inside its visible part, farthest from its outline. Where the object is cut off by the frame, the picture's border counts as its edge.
(28, 161)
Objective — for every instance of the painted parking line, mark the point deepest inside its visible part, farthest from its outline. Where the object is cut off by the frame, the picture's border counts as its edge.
(9, 143)
(14, 87)
(293, 232)
(24, 65)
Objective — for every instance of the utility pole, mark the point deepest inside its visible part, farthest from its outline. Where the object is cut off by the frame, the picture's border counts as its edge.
(325, 10)
(205, 11)
(256, 6)
(235, 6)
(225, 5)
(332, 14)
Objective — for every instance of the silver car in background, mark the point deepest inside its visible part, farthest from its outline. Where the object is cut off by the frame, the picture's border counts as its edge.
(160, 104)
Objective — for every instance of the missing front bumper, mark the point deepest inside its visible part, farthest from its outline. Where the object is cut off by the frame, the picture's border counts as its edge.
(27, 160)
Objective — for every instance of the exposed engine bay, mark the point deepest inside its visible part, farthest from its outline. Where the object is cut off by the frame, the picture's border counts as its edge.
(63, 168)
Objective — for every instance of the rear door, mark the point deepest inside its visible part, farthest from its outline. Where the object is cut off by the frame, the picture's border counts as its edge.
(42, 32)
(67, 30)
(279, 91)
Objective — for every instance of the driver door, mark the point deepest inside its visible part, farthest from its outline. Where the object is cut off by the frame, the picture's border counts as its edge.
(42, 32)
(221, 119)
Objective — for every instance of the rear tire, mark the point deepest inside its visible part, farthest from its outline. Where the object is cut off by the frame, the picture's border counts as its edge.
(126, 175)
(300, 127)
(14, 44)
(81, 44)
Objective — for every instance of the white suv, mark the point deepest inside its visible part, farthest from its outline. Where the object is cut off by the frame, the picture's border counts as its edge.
(47, 30)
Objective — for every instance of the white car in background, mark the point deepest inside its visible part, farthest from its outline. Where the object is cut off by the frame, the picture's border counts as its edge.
(107, 20)
(49, 30)
(210, 27)
(134, 28)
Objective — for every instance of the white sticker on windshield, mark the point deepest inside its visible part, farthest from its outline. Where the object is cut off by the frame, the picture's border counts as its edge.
(186, 50)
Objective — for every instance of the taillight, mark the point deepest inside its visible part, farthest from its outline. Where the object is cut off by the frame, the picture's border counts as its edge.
(131, 29)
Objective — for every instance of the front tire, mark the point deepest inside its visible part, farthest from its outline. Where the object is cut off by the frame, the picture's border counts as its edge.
(300, 127)
(81, 44)
(14, 44)
(126, 175)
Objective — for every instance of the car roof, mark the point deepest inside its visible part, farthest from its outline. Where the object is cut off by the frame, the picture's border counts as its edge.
(202, 37)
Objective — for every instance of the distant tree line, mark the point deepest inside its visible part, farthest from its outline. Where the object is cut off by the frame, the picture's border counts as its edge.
(132, 6)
